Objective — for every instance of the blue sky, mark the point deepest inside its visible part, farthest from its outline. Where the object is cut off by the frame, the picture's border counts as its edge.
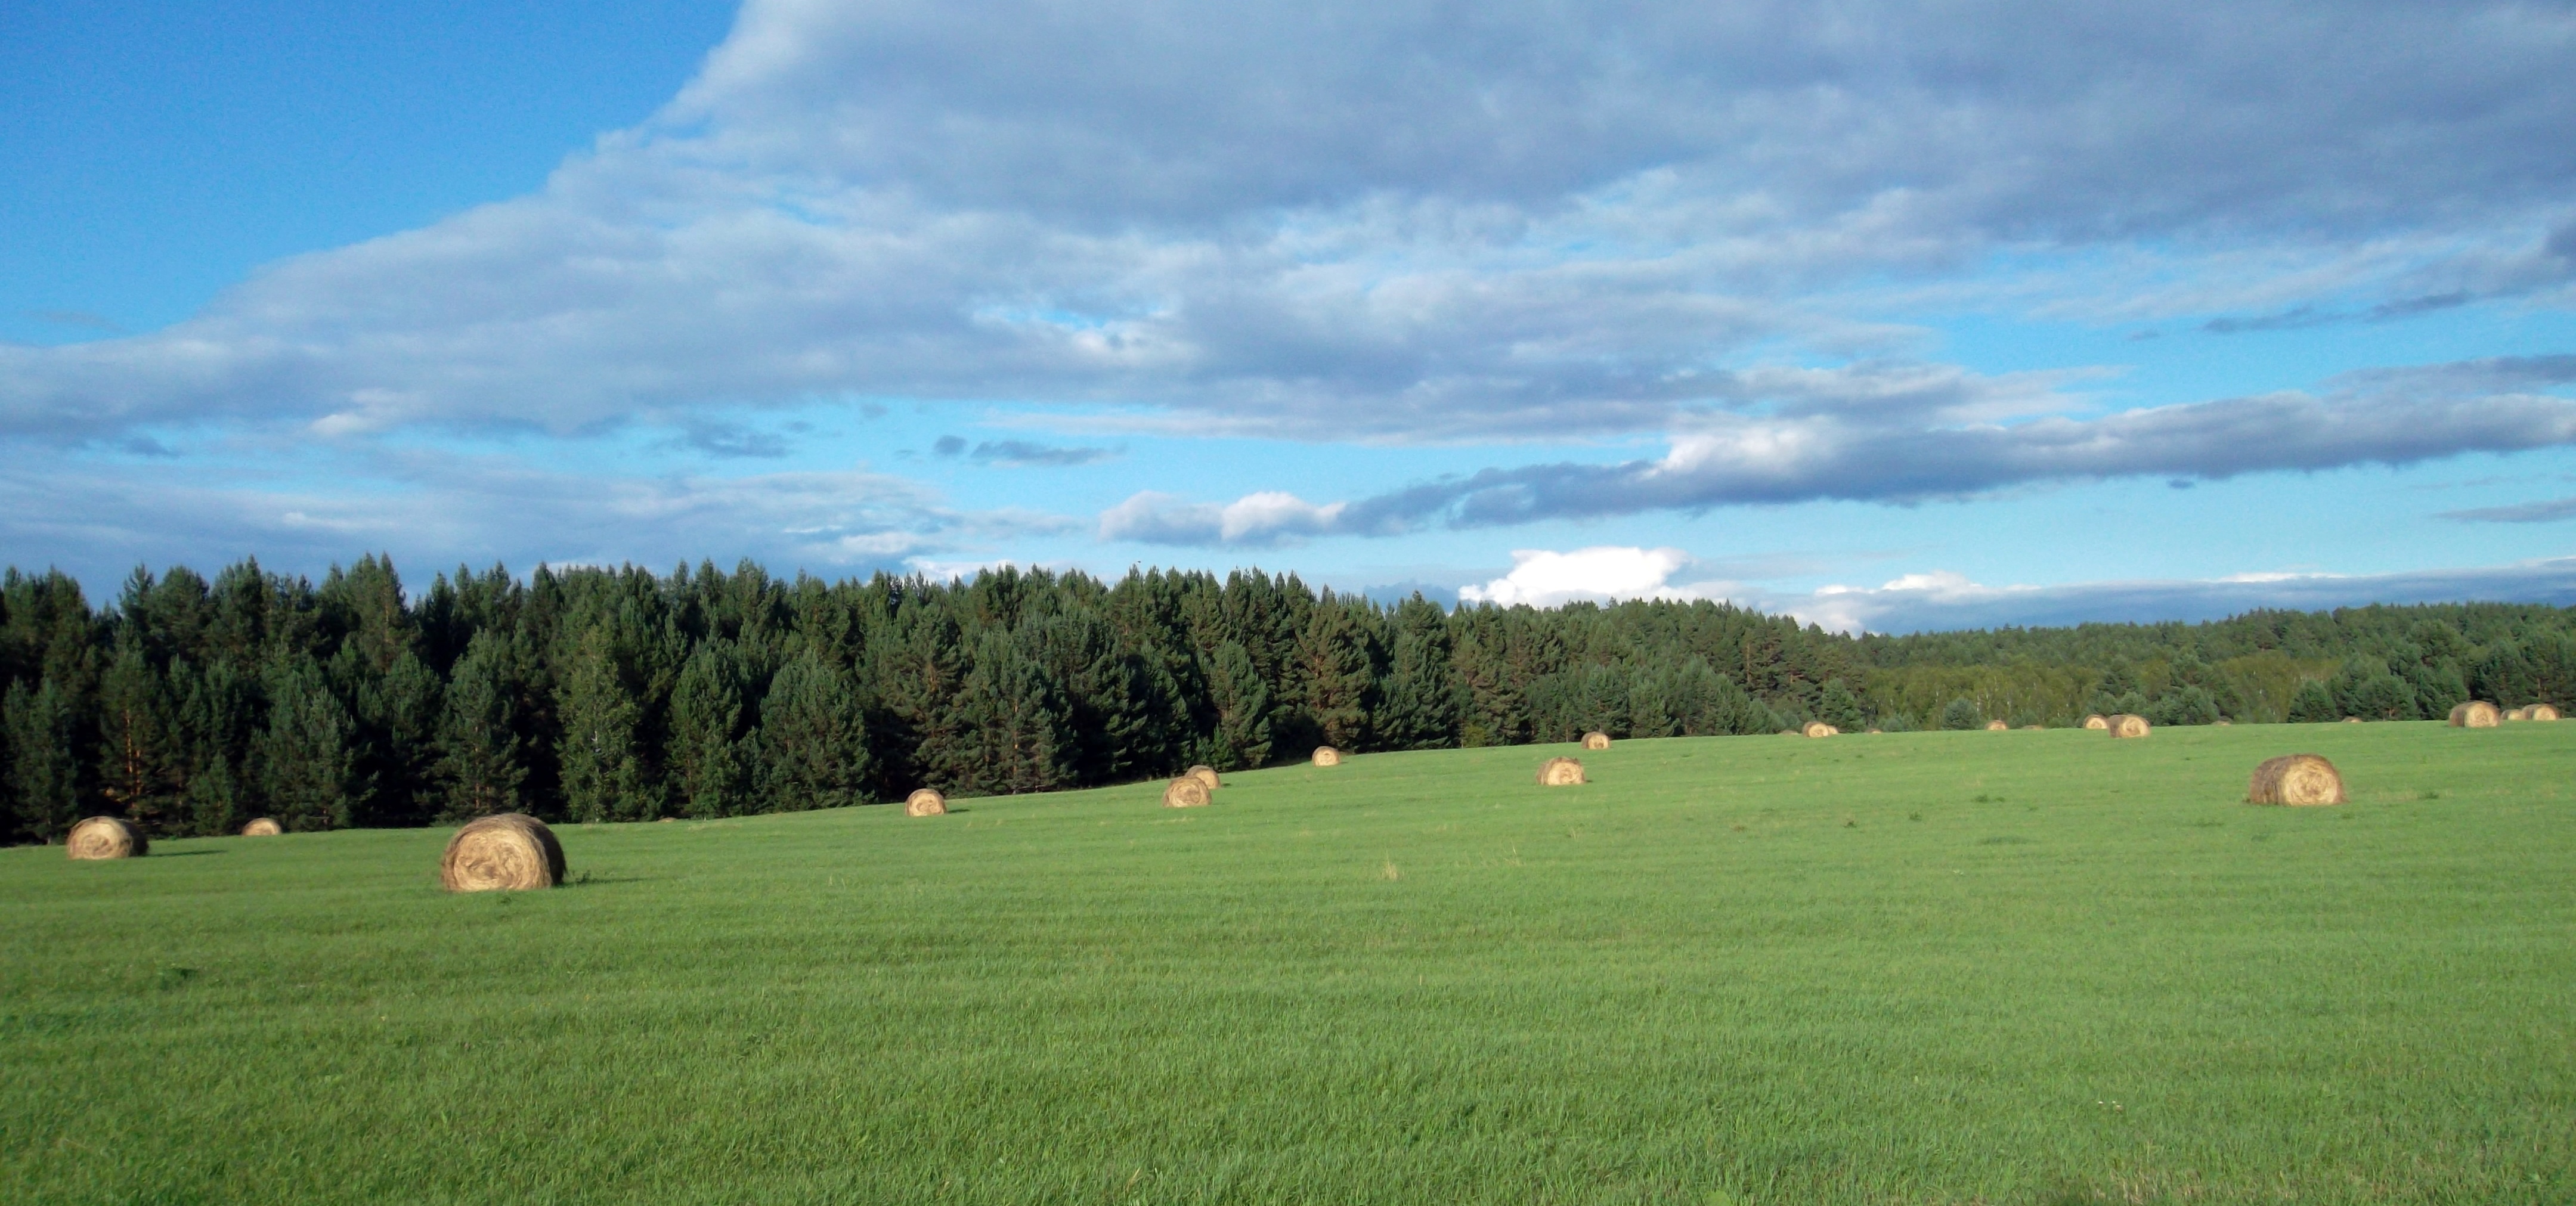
(2008, 313)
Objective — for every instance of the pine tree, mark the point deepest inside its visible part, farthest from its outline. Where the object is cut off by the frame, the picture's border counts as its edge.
(2313, 703)
(138, 771)
(42, 786)
(1338, 672)
(1837, 706)
(603, 769)
(479, 759)
(1014, 713)
(813, 739)
(1962, 714)
(1420, 703)
(1241, 700)
(708, 756)
(304, 755)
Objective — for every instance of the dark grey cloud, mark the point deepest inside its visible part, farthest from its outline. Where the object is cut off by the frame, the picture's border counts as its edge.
(1380, 220)
(1018, 454)
(1914, 451)
(2549, 511)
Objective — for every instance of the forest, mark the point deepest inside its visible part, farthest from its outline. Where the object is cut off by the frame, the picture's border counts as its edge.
(590, 694)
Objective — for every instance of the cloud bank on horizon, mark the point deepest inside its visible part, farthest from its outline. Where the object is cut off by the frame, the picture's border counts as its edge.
(1734, 234)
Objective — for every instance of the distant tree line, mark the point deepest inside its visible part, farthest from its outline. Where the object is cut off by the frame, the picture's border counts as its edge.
(591, 694)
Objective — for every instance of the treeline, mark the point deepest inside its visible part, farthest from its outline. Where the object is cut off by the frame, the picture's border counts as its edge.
(191, 706)
(587, 694)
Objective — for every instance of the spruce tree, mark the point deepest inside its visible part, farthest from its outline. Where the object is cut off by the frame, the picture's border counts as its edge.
(480, 765)
(1421, 701)
(306, 763)
(1241, 700)
(813, 740)
(1019, 736)
(1837, 706)
(2313, 703)
(42, 785)
(1962, 713)
(603, 768)
(710, 764)
(138, 768)
(1338, 673)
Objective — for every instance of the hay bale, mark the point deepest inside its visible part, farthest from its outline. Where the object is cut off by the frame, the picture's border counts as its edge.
(2034, 726)
(2129, 724)
(511, 852)
(263, 827)
(1876, 732)
(1326, 755)
(1818, 728)
(2097, 722)
(1789, 732)
(1997, 726)
(925, 803)
(105, 837)
(1185, 792)
(1204, 774)
(2540, 712)
(1596, 740)
(2299, 779)
(2517, 714)
(2476, 714)
(1560, 772)
(2223, 722)
(2352, 720)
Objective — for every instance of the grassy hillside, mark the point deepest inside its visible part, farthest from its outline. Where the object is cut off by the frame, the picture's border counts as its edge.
(1935, 967)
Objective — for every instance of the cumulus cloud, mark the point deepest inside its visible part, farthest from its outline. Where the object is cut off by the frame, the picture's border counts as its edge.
(1252, 521)
(1601, 574)
(1370, 220)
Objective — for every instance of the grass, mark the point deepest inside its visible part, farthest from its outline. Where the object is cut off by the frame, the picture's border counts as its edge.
(1941, 967)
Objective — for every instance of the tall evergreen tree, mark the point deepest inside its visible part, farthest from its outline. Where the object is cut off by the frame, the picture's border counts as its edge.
(479, 759)
(1241, 701)
(813, 739)
(1019, 733)
(1420, 702)
(304, 753)
(43, 794)
(1338, 672)
(710, 759)
(603, 767)
(139, 770)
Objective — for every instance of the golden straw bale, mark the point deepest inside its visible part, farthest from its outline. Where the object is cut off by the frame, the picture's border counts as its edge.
(2540, 712)
(1596, 741)
(1185, 792)
(2352, 720)
(2295, 779)
(511, 852)
(1204, 774)
(925, 803)
(1788, 732)
(2223, 722)
(106, 837)
(262, 827)
(1560, 772)
(2129, 724)
(1326, 755)
(2517, 714)
(2476, 714)
(2097, 721)
(1818, 728)
(1997, 726)
(1876, 732)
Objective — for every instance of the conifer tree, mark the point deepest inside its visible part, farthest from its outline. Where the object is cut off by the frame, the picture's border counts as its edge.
(813, 740)
(138, 749)
(1241, 701)
(1018, 738)
(603, 770)
(1421, 700)
(42, 784)
(2313, 703)
(709, 762)
(1338, 673)
(479, 759)
(306, 763)
(1837, 706)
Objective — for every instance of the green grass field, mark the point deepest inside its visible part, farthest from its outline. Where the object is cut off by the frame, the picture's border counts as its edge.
(1939, 967)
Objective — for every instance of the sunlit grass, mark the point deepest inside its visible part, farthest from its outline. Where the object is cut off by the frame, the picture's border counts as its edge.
(1941, 967)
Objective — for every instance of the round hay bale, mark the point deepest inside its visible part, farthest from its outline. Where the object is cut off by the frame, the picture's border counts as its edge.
(925, 803)
(1876, 732)
(2517, 714)
(1204, 774)
(1997, 726)
(2034, 726)
(2298, 779)
(2223, 722)
(1596, 740)
(1818, 728)
(1185, 792)
(1326, 755)
(2129, 724)
(263, 827)
(2097, 721)
(1560, 772)
(2476, 714)
(2352, 720)
(511, 852)
(105, 837)
(2540, 712)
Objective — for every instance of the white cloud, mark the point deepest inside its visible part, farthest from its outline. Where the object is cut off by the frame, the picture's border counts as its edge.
(1602, 573)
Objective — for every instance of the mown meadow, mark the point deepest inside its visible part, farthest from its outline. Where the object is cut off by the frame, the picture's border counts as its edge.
(2011, 967)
